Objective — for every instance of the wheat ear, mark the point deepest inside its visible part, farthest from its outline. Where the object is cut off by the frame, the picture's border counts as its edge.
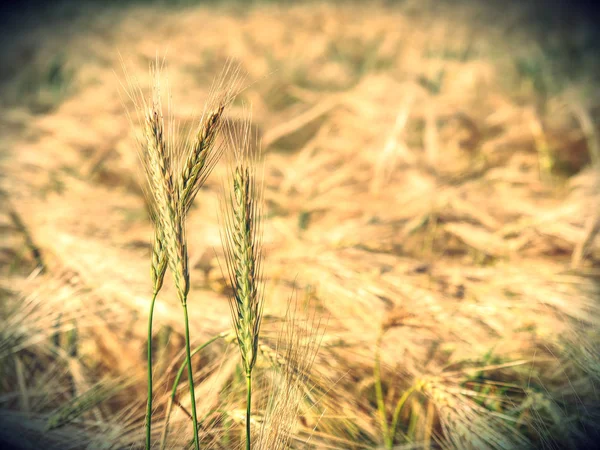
(241, 208)
(198, 155)
(201, 153)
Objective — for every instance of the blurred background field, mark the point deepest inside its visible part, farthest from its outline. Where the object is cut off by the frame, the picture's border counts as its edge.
(431, 183)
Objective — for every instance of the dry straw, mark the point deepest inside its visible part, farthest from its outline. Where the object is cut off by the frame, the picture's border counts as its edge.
(297, 346)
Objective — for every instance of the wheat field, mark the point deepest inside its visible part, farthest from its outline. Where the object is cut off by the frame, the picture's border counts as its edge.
(429, 186)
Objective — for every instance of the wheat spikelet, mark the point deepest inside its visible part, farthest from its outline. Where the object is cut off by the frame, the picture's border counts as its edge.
(275, 359)
(159, 261)
(159, 160)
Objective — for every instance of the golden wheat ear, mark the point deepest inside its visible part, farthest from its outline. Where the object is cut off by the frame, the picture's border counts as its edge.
(185, 164)
(197, 156)
(171, 230)
(201, 151)
(158, 161)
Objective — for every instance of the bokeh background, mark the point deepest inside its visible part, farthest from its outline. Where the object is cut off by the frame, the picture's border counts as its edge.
(431, 185)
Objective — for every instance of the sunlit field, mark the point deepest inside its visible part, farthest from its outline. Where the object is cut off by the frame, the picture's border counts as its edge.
(430, 214)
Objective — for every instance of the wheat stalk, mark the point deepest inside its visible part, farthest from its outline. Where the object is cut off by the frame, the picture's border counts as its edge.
(224, 335)
(174, 176)
(160, 161)
(241, 238)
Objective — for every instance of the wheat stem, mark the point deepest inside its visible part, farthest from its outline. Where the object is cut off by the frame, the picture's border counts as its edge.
(396, 416)
(163, 440)
(149, 404)
(248, 408)
(190, 375)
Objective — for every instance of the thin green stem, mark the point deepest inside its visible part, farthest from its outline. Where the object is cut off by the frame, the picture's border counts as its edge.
(190, 375)
(248, 408)
(163, 441)
(149, 404)
(399, 406)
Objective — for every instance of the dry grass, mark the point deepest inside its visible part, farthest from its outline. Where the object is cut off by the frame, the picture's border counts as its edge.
(295, 351)
(427, 172)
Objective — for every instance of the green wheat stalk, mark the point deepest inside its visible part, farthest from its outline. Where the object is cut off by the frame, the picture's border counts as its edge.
(163, 441)
(241, 205)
